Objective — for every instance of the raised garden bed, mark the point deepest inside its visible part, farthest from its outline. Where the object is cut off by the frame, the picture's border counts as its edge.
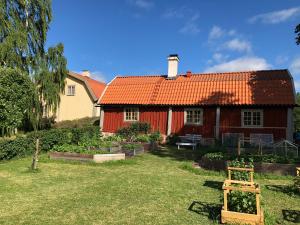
(132, 149)
(260, 167)
(98, 158)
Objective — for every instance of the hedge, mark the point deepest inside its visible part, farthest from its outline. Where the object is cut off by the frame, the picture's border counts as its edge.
(25, 145)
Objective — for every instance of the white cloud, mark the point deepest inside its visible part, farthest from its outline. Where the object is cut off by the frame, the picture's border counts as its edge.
(240, 64)
(219, 57)
(295, 67)
(280, 59)
(174, 13)
(276, 16)
(98, 75)
(238, 45)
(215, 32)
(142, 4)
(191, 26)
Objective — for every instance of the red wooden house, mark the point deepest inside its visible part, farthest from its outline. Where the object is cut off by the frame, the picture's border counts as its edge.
(210, 104)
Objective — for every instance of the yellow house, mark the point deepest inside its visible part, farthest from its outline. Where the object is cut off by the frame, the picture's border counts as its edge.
(80, 97)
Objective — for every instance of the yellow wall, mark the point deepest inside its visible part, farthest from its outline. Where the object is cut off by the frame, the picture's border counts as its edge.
(78, 106)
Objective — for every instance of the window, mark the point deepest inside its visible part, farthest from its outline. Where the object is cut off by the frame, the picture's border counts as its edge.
(131, 114)
(252, 118)
(71, 90)
(193, 116)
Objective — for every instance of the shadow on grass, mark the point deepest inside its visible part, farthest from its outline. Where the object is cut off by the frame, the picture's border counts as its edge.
(213, 184)
(174, 153)
(291, 215)
(211, 210)
(286, 189)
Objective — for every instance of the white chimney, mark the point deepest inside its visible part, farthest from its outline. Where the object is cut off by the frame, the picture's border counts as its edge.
(173, 66)
(85, 73)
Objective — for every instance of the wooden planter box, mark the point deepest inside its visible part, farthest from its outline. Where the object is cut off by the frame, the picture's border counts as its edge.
(98, 158)
(136, 151)
(238, 217)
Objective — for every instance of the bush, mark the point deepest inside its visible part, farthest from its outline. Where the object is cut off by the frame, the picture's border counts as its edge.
(215, 156)
(173, 139)
(155, 136)
(144, 138)
(19, 147)
(244, 202)
(23, 146)
(79, 123)
(131, 146)
(76, 149)
(133, 130)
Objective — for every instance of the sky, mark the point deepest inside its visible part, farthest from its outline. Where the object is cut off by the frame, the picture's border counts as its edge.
(135, 37)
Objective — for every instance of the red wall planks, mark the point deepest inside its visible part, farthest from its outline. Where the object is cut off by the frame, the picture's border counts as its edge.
(156, 116)
(206, 130)
(230, 120)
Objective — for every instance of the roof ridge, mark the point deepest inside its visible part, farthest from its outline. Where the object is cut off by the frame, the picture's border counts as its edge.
(201, 73)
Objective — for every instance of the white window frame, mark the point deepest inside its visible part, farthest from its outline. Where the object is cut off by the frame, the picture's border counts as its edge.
(193, 109)
(253, 110)
(138, 114)
(74, 88)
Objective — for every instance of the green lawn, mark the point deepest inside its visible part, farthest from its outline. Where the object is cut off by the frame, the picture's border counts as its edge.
(149, 189)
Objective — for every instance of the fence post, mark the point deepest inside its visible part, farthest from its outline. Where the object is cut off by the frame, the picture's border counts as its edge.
(239, 147)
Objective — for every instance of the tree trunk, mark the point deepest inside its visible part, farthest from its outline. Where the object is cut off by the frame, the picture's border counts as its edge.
(35, 155)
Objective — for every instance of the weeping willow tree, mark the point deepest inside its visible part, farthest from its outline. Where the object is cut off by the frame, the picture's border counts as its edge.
(23, 31)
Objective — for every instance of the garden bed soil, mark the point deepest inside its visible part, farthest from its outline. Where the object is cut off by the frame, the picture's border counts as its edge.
(259, 167)
(98, 158)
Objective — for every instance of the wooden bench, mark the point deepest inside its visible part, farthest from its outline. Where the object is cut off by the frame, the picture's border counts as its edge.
(189, 140)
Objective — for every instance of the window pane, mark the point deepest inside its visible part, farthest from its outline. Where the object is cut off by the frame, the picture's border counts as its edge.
(131, 114)
(256, 118)
(247, 118)
(189, 116)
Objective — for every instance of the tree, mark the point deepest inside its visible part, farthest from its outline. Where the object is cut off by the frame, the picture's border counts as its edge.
(297, 31)
(16, 95)
(23, 31)
(297, 113)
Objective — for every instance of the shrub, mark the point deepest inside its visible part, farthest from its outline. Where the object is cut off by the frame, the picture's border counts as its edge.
(133, 130)
(173, 139)
(244, 202)
(114, 138)
(76, 149)
(79, 123)
(215, 156)
(131, 146)
(22, 146)
(155, 136)
(144, 138)
(19, 147)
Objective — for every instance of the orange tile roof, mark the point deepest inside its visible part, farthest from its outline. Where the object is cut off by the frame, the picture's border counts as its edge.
(269, 87)
(96, 87)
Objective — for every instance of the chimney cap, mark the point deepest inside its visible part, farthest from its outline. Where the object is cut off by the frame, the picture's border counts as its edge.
(86, 73)
(173, 55)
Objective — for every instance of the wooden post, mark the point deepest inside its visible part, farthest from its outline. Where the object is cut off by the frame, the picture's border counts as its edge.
(225, 200)
(217, 123)
(239, 147)
(35, 155)
(229, 174)
(251, 177)
(169, 125)
(257, 204)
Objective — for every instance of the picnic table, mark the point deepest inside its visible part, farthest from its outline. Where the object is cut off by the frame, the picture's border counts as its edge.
(189, 140)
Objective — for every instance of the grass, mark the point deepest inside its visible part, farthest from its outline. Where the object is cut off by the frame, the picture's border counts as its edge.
(158, 188)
